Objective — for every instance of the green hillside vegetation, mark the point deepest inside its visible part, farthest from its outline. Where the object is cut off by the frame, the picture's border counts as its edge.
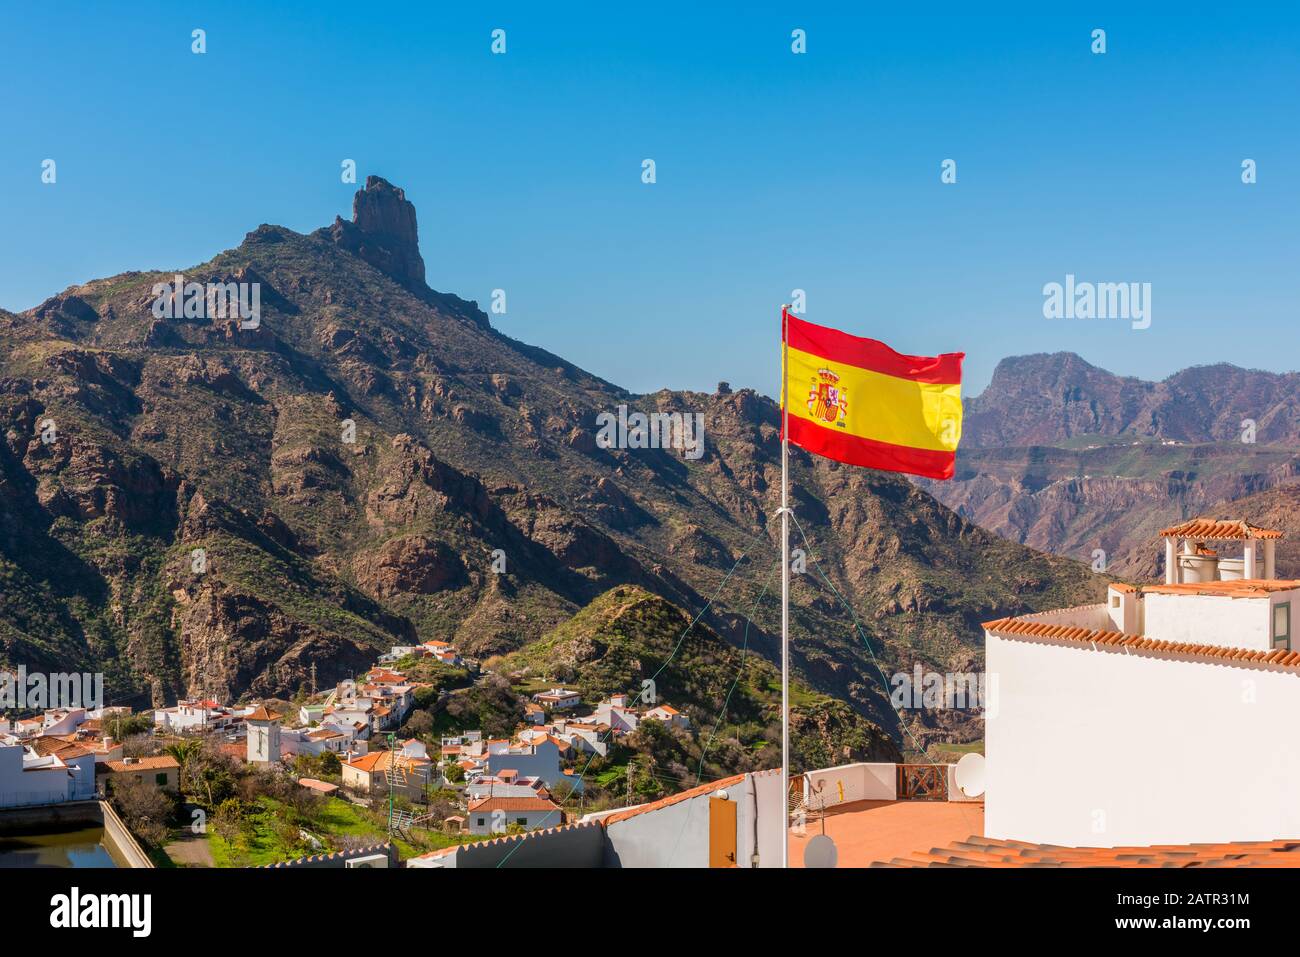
(628, 636)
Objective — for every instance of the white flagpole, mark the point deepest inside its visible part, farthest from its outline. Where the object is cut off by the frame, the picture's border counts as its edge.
(785, 594)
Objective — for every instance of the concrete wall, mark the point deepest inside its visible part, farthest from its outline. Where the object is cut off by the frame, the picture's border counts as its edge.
(1211, 620)
(121, 840)
(338, 859)
(1079, 616)
(1125, 611)
(771, 820)
(672, 836)
(20, 820)
(580, 845)
(851, 782)
(678, 835)
(1105, 748)
(83, 778)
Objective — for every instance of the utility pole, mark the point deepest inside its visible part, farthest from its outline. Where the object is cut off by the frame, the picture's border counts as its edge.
(313, 679)
(391, 770)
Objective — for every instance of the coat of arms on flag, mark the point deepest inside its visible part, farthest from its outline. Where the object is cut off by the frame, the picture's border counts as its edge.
(827, 401)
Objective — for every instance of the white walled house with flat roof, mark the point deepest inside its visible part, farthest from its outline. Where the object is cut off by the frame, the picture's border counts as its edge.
(1161, 716)
(558, 699)
(31, 775)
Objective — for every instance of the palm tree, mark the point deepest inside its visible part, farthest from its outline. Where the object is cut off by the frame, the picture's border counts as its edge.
(184, 751)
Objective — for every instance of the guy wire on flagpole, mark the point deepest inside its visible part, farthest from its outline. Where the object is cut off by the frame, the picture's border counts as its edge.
(785, 591)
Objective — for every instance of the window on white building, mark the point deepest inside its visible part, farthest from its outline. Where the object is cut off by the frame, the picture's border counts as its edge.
(1282, 625)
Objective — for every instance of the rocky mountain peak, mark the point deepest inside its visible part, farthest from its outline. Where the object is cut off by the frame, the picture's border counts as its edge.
(383, 232)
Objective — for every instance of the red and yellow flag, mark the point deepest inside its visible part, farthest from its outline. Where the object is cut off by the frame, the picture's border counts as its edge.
(858, 401)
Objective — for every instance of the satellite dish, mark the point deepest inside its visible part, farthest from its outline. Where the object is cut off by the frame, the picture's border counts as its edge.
(820, 852)
(970, 775)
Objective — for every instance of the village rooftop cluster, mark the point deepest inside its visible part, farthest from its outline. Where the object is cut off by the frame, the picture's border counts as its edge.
(504, 785)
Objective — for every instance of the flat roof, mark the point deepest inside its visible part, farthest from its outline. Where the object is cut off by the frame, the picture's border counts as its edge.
(990, 852)
(950, 834)
(871, 832)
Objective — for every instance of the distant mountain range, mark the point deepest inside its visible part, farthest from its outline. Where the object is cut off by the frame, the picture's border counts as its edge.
(205, 504)
(1069, 458)
(1049, 399)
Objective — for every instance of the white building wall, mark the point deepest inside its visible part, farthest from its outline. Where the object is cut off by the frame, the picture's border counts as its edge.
(544, 764)
(1107, 748)
(1210, 620)
(83, 779)
(19, 788)
(678, 835)
(501, 823)
(851, 782)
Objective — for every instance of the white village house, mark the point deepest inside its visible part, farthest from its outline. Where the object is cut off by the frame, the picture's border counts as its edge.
(1160, 716)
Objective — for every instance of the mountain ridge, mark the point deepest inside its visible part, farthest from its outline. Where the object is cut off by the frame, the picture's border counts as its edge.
(173, 436)
(1048, 398)
(1066, 457)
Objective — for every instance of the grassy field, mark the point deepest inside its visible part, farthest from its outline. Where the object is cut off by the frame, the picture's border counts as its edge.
(953, 752)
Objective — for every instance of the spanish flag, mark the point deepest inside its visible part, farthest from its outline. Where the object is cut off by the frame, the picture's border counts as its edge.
(859, 402)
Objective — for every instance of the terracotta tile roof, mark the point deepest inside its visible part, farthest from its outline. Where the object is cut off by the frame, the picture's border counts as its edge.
(158, 763)
(64, 750)
(1219, 529)
(513, 804)
(1118, 640)
(262, 714)
(1238, 588)
(673, 799)
(990, 852)
(1124, 586)
(315, 785)
(383, 760)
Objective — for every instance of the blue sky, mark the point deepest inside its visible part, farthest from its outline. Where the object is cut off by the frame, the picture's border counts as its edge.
(775, 171)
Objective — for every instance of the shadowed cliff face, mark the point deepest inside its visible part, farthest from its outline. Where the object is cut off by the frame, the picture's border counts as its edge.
(217, 508)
